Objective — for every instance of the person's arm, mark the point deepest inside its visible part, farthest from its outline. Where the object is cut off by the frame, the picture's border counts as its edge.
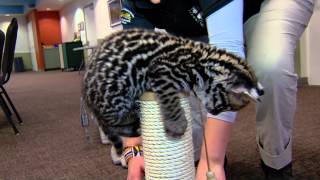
(130, 18)
(225, 30)
(135, 164)
(155, 1)
(210, 6)
(217, 134)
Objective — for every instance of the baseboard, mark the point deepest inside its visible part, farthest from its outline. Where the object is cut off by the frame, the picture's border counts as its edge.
(303, 81)
(53, 69)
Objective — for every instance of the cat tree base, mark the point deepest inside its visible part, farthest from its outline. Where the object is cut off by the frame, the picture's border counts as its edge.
(165, 158)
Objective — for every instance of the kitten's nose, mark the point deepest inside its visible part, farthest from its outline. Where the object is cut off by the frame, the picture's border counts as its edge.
(260, 92)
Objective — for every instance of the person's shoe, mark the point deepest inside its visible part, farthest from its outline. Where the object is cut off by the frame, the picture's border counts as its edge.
(284, 173)
(196, 163)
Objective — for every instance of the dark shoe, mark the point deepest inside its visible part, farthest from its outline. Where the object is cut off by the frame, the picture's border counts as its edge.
(196, 163)
(225, 165)
(284, 173)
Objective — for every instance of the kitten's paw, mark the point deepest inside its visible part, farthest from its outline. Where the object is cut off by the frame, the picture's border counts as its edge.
(177, 128)
(104, 139)
(116, 159)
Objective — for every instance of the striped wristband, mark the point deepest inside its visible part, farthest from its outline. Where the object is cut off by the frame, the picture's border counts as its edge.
(132, 151)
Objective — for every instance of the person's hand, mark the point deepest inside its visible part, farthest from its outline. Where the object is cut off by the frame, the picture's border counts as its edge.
(136, 168)
(155, 1)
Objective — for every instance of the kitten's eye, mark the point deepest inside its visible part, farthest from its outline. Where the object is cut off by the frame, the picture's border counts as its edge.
(239, 89)
(253, 94)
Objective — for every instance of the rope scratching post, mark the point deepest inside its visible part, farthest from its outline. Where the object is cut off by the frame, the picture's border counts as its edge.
(165, 158)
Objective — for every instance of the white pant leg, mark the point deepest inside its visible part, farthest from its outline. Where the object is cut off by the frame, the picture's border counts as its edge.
(224, 33)
(271, 38)
(225, 30)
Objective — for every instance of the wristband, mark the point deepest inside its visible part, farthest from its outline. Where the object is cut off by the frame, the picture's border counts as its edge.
(132, 151)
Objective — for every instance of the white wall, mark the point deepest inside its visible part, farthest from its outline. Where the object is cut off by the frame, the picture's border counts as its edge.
(102, 18)
(22, 44)
(73, 13)
(70, 16)
(31, 47)
(310, 49)
(90, 25)
(314, 48)
(304, 54)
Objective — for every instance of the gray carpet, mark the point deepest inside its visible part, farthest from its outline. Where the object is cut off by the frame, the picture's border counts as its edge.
(52, 144)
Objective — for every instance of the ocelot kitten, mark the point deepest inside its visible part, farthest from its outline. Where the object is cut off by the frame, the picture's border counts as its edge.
(130, 62)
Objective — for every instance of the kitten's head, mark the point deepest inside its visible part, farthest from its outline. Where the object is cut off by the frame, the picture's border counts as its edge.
(232, 91)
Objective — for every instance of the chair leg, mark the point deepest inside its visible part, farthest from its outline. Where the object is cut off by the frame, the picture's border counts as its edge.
(5, 110)
(5, 104)
(81, 66)
(11, 104)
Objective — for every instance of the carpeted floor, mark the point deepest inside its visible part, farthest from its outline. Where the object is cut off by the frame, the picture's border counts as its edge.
(52, 145)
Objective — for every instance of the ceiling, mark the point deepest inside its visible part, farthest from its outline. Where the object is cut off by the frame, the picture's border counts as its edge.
(52, 4)
(23, 6)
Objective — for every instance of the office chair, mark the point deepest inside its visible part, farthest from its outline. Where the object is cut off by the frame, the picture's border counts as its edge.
(6, 69)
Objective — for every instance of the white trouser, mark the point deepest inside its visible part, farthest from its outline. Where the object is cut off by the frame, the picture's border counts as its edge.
(225, 30)
(271, 38)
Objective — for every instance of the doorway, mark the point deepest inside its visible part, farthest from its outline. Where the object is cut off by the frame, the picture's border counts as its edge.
(32, 48)
(90, 25)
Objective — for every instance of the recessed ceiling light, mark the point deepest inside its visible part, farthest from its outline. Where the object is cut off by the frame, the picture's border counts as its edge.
(48, 9)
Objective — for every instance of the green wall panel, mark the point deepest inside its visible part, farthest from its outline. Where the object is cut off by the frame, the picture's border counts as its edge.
(51, 58)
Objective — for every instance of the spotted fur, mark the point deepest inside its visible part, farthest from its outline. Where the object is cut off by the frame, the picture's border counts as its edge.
(131, 62)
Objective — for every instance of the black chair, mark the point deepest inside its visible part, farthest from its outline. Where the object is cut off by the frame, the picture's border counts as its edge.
(6, 69)
(3, 104)
(2, 39)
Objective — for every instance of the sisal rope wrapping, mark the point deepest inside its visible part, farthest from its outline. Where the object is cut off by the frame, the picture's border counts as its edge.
(165, 158)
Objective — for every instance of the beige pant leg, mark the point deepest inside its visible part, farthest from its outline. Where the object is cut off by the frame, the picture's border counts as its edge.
(271, 38)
